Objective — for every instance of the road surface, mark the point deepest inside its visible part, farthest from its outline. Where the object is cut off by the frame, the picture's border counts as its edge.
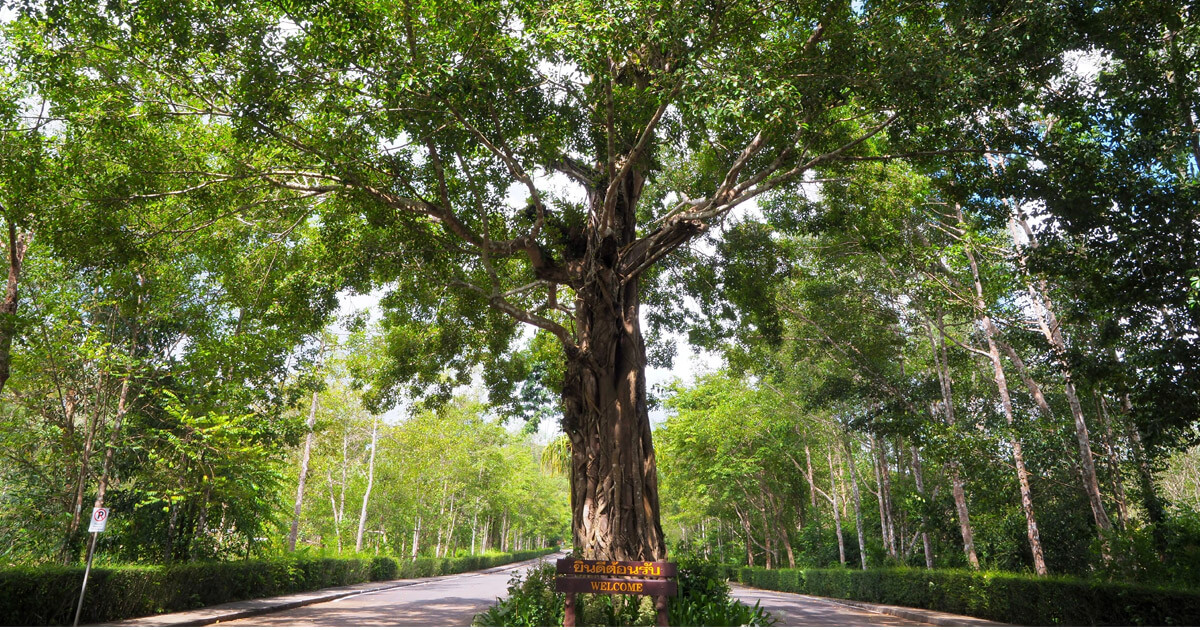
(449, 601)
(799, 610)
(455, 600)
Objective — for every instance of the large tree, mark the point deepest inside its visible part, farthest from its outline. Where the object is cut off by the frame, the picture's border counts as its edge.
(506, 161)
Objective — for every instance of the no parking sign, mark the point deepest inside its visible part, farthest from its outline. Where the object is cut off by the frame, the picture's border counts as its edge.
(99, 519)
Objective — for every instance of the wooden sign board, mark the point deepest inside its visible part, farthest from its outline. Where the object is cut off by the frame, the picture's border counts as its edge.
(614, 586)
(616, 568)
(616, 577)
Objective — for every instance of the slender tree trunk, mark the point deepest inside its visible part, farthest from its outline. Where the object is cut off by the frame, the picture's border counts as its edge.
(337, 518)
(504, 532)
(18, 244)
(362, 517)
(749, 539)
(837, 516)
(778, 521)
(989, 330)
(304, 457)
(474, 523)
(81, 481)
(122, 403)
(450, 530)
(768, 539)
(341, 511)
(812, 489)
(883, 479)
(919, 480)
(1114, 463)
(416, 537)
(172, 519)
(1155, 512)
(201, 522)
(879, 494)
(858, 519)
(958, 488)
(1052, 331)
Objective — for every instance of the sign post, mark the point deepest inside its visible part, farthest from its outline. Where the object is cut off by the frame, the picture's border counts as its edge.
(98, 523)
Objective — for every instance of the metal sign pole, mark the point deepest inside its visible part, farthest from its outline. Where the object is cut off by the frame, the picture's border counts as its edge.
(88, 570)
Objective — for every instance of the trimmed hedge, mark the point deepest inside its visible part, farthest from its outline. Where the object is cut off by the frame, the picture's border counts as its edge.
(1005, 597)
(46, 596)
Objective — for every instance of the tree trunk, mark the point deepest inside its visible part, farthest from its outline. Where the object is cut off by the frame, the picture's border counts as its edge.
(1155, 512)
(304, 456)
(362, 517)
(858, 519)
(337, 518)
(884, 479)
(474, 524)
(1114, 463)
(812, 489)
(70, 549)
(768, 539)
(989, 331)
(18, 244)
(958, 489)
(614, 481)
(172, 518)
(919, 479)
(837, 515)
(749, 539)
(416, 537)
(504, 532)
(450, 529)
(778, 522)
(879, 494)
(201, 523)
(1052, 331)
(122, 402)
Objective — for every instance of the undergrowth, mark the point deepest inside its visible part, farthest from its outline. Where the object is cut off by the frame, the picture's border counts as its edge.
(703, 600)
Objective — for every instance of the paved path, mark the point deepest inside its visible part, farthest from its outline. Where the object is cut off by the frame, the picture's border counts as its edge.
(450, 601)
(801, 610)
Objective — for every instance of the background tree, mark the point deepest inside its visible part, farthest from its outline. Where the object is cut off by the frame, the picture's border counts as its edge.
(661, 118)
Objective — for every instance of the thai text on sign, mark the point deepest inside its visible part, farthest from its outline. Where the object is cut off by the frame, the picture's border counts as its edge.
(614, 568)
(616, 577)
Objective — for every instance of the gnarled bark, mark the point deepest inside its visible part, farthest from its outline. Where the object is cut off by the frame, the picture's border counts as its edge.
(614, 484)
(614, 481)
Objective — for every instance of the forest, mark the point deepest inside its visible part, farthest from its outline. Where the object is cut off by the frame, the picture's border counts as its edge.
(947, 255)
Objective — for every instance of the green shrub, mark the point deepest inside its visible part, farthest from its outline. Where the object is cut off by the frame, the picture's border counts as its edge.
(703, 600)
(1004, 597)
(384, 568)
(40, 596)
(531, 602)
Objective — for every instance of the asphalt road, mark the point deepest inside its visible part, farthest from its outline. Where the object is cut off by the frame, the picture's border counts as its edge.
(799, 610)
(450, 601)
(455, 600)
